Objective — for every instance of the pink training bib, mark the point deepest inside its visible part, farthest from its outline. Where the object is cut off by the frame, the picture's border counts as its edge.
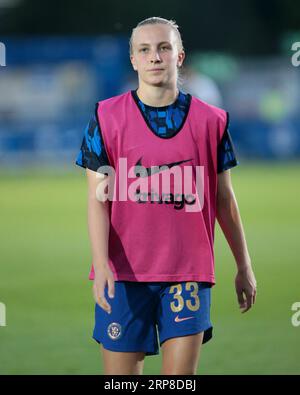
(165, 234)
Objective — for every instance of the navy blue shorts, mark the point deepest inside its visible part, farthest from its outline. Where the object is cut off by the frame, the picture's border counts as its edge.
(143, 311)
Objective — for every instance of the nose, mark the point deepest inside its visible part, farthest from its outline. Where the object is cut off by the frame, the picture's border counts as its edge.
(155, 57)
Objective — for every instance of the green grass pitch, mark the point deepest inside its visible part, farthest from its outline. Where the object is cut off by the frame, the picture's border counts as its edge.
(45, 260)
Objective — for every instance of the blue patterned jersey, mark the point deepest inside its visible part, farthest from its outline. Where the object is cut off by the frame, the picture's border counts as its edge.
(164, 121)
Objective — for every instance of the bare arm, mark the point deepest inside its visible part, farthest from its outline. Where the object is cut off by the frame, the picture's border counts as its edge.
(98, 228)
(229, 219)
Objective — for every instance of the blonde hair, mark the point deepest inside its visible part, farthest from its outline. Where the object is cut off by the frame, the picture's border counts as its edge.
(155, 20)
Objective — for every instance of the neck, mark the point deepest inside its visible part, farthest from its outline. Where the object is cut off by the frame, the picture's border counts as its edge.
(157, 96)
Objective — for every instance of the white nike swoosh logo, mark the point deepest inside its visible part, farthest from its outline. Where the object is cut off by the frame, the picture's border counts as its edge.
(177, 319)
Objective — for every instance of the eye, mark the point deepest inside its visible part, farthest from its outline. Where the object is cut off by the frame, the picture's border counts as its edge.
(165, 47)
(143, 49)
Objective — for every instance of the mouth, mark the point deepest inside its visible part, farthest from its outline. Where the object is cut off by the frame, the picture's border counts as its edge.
(156, 70)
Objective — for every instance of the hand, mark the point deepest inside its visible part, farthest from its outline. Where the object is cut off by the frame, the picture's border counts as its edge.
(245, 285)
(103, 276)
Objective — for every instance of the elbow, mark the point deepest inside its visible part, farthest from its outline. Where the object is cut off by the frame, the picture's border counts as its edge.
(225, 201)
(225, 196)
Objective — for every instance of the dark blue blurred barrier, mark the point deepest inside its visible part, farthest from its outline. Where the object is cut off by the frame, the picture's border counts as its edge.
(59, 142)
(108, 55)
(259, 139)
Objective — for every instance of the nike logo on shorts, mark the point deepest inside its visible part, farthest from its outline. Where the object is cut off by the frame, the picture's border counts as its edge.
(177, 319)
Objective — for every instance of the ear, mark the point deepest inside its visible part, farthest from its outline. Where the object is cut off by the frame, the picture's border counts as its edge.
(132, 60)
(181, 57)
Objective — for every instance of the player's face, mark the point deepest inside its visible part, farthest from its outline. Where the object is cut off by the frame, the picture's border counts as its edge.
(155, 54)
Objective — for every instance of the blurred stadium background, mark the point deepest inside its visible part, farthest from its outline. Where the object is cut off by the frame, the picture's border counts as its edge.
(64, 56)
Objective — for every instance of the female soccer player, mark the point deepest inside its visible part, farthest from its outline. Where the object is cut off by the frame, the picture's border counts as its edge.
(152, 253)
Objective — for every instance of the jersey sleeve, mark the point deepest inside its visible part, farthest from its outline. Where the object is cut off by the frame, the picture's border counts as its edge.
(226, 153)
(92, 153)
